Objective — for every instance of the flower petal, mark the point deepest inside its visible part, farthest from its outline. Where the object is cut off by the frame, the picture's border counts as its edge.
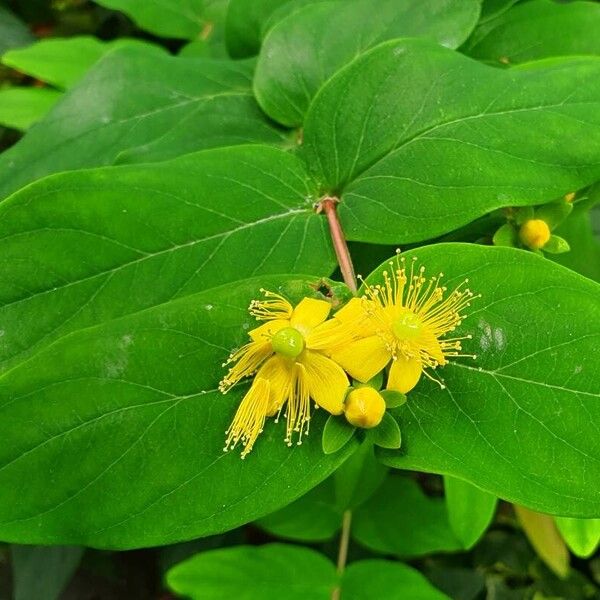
(327, 383)
(309, 313)
(404, 374)
(267, 330)
(363, 359)
(278, 370)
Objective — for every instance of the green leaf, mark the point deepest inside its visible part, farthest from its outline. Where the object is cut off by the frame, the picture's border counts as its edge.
(312, 518)
(269, 572)
(357, 479)
(470, 510)
(410, 152)
(43, 572)
(387, 433)
(506, 235)
(13, 32)
(176, 106)
(82, 248)
(400, 519)
(585, 247)
(129, 431)
(302, 51)
(393, 399)
(63, 62)
(554, 213)
(556, 245)
(187, 19)
(538, 29)
(520, 421)
(21, 107)
(493, 8)
(581, 535)
(375, 578)
(336, 434)
(247, 22)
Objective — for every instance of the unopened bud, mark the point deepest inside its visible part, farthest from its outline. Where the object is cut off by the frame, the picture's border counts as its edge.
(535, 233)
(364, 407)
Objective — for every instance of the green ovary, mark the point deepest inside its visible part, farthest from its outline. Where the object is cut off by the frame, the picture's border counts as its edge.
(407, 326)
(288, 342)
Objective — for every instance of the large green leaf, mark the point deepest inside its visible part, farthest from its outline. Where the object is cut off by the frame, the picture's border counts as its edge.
(176, 106)
(13, 32)
(81, 248)
(384, 579)
(63, 62)
(520, 421)
(419, 140)
(538, 29)
(187, 19)
(400, 519)
(269, 572)
(113, 436)
(303, 50)
(21, 107)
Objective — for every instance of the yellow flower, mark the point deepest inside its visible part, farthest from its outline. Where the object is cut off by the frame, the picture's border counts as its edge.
(403, 321)
(288, 355)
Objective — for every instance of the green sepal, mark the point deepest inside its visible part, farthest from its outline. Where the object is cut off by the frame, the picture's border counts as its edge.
(556, 245)
(376, 382)
(554, 213)
(336, 434)
(393, 399)
(387, 434)
(525, 213)
(506, 235)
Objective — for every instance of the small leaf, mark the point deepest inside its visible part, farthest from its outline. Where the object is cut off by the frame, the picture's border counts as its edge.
(268, 572)
(336, 434)
(387, 434)
(384, 579)
(357, 478)
(581, 535)
(393, 399)
(556, 245)
(525, 213)
(400, 519)
(506, 236)
(21, 107)
(315, 517)
(544, 537)
(470, 510)
(554, 213)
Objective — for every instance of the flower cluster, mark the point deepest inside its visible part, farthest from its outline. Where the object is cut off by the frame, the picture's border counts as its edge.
(299, 354)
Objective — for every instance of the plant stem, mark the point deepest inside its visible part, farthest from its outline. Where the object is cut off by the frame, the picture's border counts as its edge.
(328, 206)
(343, 551)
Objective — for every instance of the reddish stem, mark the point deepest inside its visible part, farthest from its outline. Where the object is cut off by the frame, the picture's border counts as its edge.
(328, 206)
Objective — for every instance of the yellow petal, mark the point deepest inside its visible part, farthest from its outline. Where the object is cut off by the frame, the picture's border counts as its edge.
(363, 359)
(404, 374)
(353, 310)
(278, 370)
(327, 383)
(267, 330)
(309, 313)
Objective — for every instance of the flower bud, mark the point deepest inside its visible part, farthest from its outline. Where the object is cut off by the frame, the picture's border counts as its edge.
(534, 233)
(364, 407)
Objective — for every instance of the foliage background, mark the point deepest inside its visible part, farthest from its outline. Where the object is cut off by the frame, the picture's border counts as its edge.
(148, 85)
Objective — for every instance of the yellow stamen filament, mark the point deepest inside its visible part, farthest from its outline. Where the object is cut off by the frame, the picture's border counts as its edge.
(250, 417)
(273, 307)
